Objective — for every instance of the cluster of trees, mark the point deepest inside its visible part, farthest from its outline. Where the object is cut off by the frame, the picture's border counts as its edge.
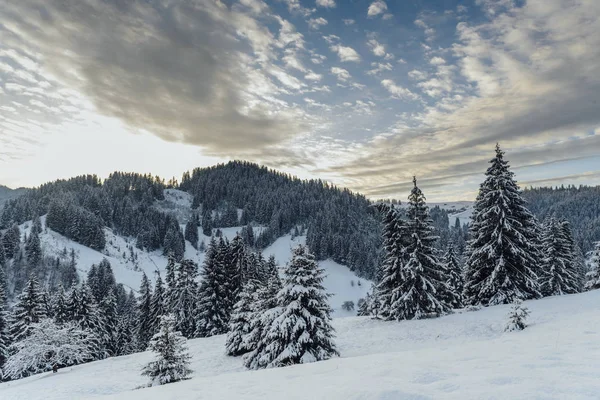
(340, 224)
(509, 256)
(81, 207)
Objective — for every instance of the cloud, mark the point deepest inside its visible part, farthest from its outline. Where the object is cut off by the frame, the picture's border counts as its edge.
(340, 73)
(326, 3)
(379, 67)
(348, 21)
(397, 91)
(437, 61)
(317, 23)
(377, 48)
(417, 75)
(346, 54)
(312, 76)
(186, 72)
(376, 8)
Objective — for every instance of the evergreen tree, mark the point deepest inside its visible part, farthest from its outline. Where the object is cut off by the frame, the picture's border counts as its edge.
(213, 296)
(33, 251)
(11, 241)
(558, 273)
(301, 332)
(516, 317)
(240, 323)
(126, 336)
(109, 319)
(170, 282)
(191, 231)
(172, 360)
(593, 276)
(2, 253)
(158, 307)
(454, 278)
(501, 255)
(61, 306)
(4, 333)
(29, 310)
(144, 325)
(207, 223)
(186, 298)
(390, 275)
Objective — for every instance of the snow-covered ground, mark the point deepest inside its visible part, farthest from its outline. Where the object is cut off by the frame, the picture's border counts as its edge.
(461, 356)
(463, 216)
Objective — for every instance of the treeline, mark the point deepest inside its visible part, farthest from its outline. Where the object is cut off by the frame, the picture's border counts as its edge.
(580, 205)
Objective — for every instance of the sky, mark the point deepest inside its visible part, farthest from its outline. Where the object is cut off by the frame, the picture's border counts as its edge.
(364, 94)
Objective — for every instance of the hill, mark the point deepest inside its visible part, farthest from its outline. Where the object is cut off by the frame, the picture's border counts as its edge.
(464, 355)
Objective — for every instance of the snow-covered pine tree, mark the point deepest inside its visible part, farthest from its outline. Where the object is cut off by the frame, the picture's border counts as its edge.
(170, 282)
(144, 324)
(516, 317)
(50, 344)
(191, 231)
(158, 306)
(593, 276)
(126, 337)
(270, 270)
(4, 334)
(501, 253)
(241, 319)
(558, 273)
(391, 271)
(363, 306)
(33, 251)
(454, 277)
(61, 306)
(29, 310)
(213, 298)
(301, 332)
(186, 298)
(576, 260)
(109, 322)
(172, 360)
(84, 312)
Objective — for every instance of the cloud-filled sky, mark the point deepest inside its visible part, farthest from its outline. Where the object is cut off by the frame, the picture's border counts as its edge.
(365, 94)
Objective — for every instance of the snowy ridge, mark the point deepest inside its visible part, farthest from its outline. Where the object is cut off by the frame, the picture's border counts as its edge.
(461, 356)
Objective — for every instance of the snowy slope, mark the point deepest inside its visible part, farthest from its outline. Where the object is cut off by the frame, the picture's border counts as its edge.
(128, 270)
(460, 356)
(463, 216)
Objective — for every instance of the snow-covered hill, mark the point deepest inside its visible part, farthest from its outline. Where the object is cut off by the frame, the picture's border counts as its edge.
(461, 356)
(129, 262)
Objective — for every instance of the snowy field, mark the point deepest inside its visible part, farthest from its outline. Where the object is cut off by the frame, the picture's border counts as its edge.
(461, 356)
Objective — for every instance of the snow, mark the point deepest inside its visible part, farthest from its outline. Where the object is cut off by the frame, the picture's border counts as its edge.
(461, 356)
(463, 216)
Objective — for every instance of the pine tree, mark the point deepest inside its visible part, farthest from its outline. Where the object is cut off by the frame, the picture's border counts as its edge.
(126, 337)
(213, 296)
(301, 332)
(158, 306)
(421, 291)
(144, 325)
(170, 282)
(454, 278)
(501, 255)
(186, 298)
(172, 360)
(390, 274)
(240, 323)
(558, 273)
(4, 333)
(33, 251)
(516, 317)
(191, 231)
(29, 310)
(61, 307)
(109, 320)
(593, 276)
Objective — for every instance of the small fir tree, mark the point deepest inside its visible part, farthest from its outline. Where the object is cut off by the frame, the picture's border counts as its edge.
(517, 316)
(171, 358)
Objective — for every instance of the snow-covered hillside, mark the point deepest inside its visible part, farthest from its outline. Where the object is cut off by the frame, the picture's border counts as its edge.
(129, 262)
(461, 356)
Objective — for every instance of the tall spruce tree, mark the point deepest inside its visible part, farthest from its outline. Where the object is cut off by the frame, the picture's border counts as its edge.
(501, 253)
(61, 306)
(593, 276)
(241, 319)
(301, 332)
(29, 310)
(213, 296)
(454, 277)
(390, 274)
(158, 307)
(422, 292)
(170, 282)
(144, 307)
(186, 298)
(109, 320)
(558, 273)
(4, 333)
